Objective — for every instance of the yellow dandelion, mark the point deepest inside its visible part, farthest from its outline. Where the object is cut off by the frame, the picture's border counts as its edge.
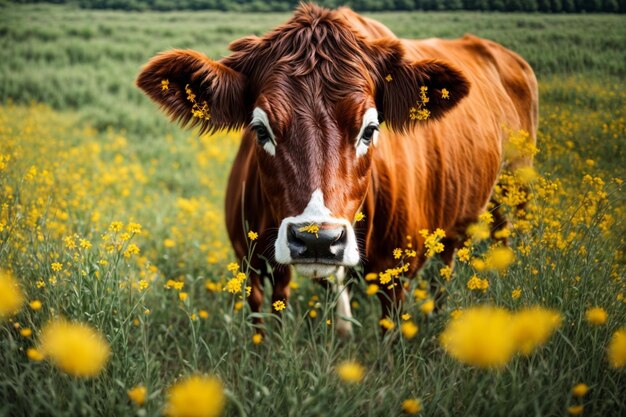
(445, 94)
(253, 235)
(75, 348)
(579, 390)
(203, 314)
(56, 266)
(195, 396)
(409, 329)
(257, 338)
(387, 323)
(35, 355)
(182, 296)
(359, 216)
(575, 410)
(279, 305)
(427, 307)
(165, 85)
(411, 406)
(406, 317)
(616, 351)
(169, 243)
(533, 326)
(372, 276)
(596, 316)
(137, 395)
(351, 372)
(11, 297)
(26, 332)
(499, 258)
(397, 253)
(480, 337)
(372, 289)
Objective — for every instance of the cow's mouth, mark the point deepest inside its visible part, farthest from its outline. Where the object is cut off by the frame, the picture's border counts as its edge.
(316, 270)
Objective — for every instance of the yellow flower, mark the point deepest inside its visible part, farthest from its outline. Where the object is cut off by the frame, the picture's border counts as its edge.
(480, 337)
(478, 284)
(406, 316)
(463, 254)
(203, 314)
(253, 235)
(387, 323)
(388, 78)
(182, 296)
(11, 297)
(26, 332)
(313, 314)
(165, 85)
(409, 329)
(432, 242)
(257, 338)
(56, 266)
(116, 226)
(420, 294)
(596, 316)
(397, 253)
(359, 216)
(478, 231)
(312, 228)
(446, 272)
(575, 410)
(34, 355)
(516, 293)
(499, 258)
(579, 390)
(532, 327)
(372, 276)
(427, 307)
(75, 348)
(137, 394)
(279, 305)
(143, 284)
(233, 267)
(445, 93)
(195, 396)
(411, 406)
(372, 289)
(351, 372)
(616, 350)
(169, 243)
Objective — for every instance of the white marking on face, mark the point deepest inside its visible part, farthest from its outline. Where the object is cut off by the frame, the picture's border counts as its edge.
(316, 212)
(259, 117)
(370, 118)
(343, 326)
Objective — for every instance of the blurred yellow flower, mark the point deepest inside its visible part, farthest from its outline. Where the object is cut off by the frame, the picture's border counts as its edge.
(616, 350)
(445, 94)
(26, 332)
(279, 305)
(499, 258)
(253, 235)
(411, 406)
(203, 314)
(35, 305)
(477, 284)
(11, 297)
(257, 338)
(35, 355)
(596, 316)
(427, 307)
(195, 396)
(516, 293)
(359, 216)
(579, 390)
(409, 329)
(182, 296)
(137, 394)
(387, 323)
(75, 348)
(56, 266)
(351, 372)
(480, 337)
(372, 289)
(169, 243)
(533, 326)
(575, 410)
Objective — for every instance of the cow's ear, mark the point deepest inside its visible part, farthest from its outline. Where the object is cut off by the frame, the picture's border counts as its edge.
(415, 92)
(195, 90)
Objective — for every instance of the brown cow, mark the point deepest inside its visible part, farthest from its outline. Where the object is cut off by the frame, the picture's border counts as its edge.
(311, 95)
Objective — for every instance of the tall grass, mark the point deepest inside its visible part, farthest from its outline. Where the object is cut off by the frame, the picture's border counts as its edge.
(98, 152)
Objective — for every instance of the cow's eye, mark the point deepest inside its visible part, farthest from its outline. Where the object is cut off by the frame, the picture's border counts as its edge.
(368, 134)
(262, 135)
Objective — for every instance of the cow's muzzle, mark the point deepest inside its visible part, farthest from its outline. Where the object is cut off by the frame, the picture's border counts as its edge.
(317, 243)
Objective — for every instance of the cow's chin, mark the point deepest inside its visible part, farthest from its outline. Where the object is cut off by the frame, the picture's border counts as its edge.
(315, 270)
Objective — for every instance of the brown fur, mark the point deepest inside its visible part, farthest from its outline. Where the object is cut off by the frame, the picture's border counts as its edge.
(315, 76)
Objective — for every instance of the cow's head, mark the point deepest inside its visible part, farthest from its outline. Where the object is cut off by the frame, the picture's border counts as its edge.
(312, 94)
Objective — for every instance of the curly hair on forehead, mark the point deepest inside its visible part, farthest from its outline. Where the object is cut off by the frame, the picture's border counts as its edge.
(315, 44)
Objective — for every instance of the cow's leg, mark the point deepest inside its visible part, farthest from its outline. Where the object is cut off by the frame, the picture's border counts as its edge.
(255, 299)
(447, 256)
(500, 221)
(344, 327)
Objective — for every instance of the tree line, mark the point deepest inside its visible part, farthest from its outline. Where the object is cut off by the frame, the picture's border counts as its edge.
(546, 6)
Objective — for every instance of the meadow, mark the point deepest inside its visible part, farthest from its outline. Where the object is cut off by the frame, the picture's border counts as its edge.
(112, 216)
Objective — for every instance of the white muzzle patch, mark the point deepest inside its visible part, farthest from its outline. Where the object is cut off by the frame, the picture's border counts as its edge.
(316, 213)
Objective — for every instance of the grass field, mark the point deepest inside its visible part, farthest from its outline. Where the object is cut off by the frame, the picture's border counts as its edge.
(85, 158)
